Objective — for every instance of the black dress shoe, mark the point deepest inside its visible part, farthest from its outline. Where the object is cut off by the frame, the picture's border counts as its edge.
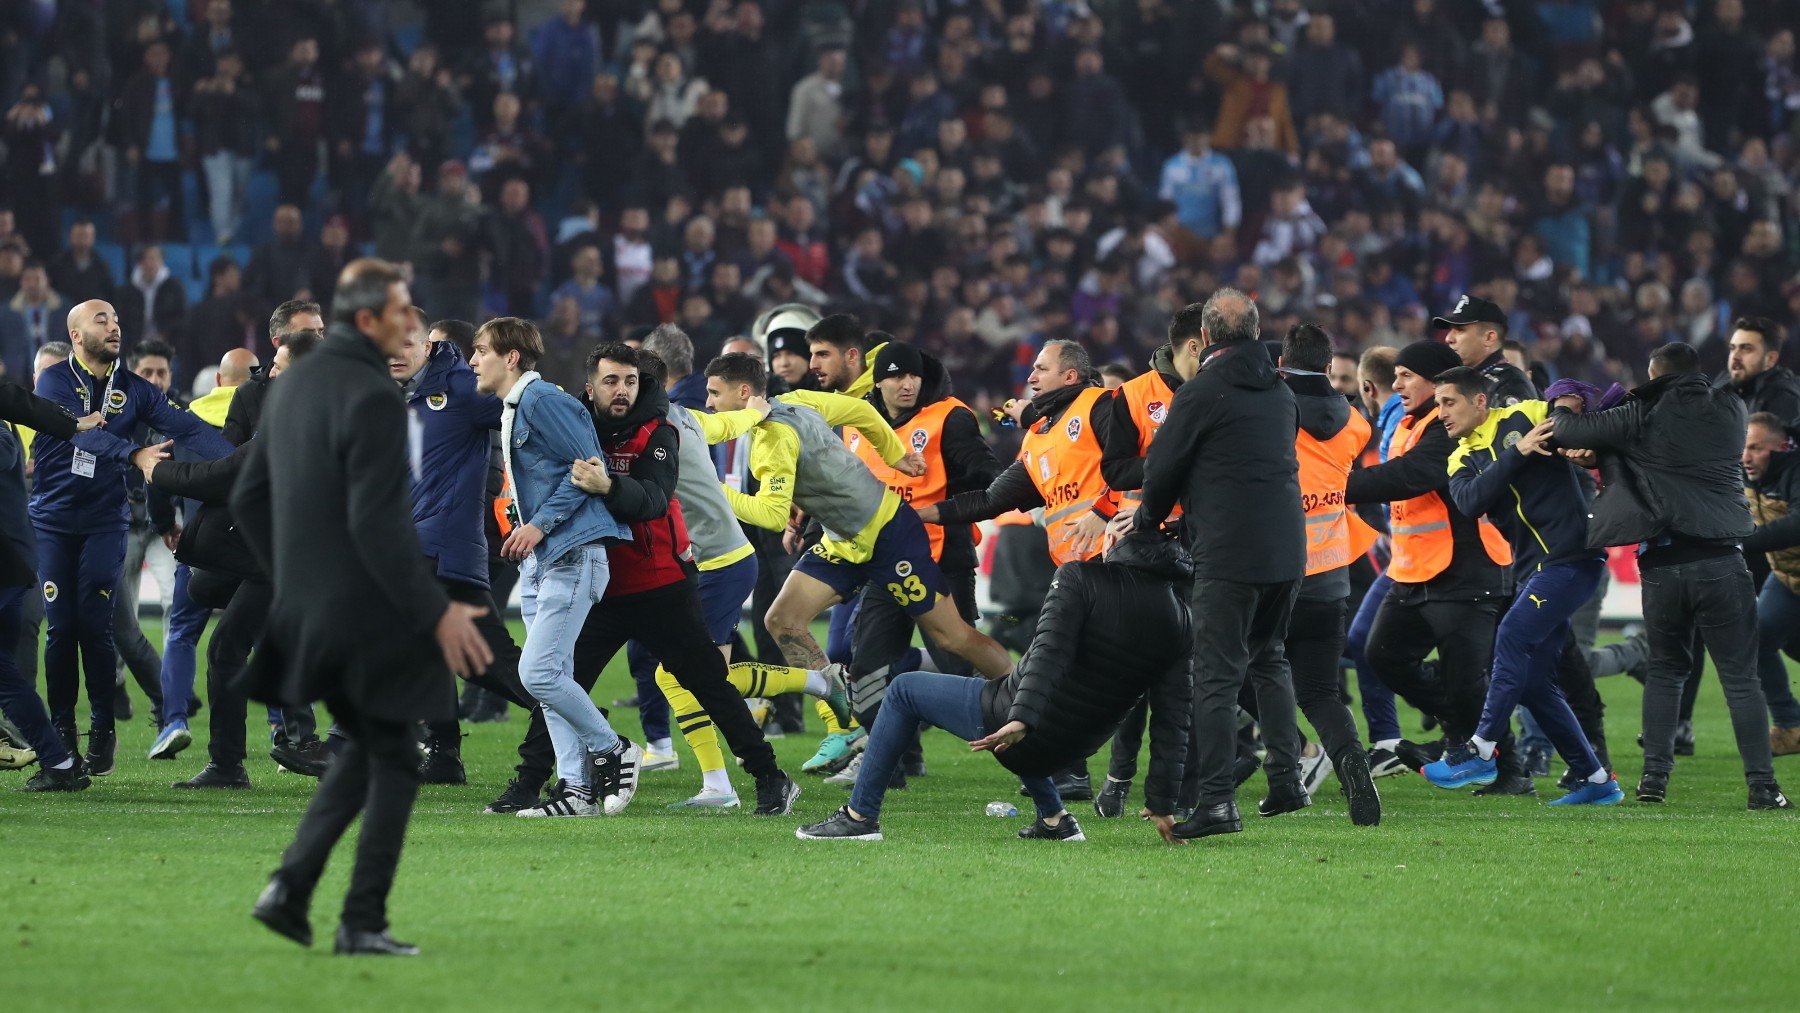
(1286, 798)
(1243, 768)
(1209, 820)
(309, 758)
(1508, 784)
(1074, 787)
(282, 909)
(443, 763)
(353, 942)
(214, 776)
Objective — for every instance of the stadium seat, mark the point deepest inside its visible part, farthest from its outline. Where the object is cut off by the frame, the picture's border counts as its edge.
(408, 37)
(180, 258)
(113, 255)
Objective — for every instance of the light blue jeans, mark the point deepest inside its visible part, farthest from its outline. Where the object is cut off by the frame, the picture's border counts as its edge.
(555, 599)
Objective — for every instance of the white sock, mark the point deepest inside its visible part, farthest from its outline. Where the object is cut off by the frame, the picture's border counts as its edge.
(1388, 744)
(816, 683)
(662, 745)
(715, 781)
(1600, 776)
(1483, 747)
(65, 765)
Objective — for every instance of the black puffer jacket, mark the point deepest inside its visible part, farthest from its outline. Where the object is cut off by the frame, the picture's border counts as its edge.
(1772, 390)
(1226, 454)
(1671, 458)
(1507, 384)
(1110, 633)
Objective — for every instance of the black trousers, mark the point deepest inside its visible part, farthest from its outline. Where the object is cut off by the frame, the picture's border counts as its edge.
(502, 676)
(237, 632)
(375, 775)
(669, 622)
(1240, 637)
(1407, 627)
(773, 563)
(1315, 642)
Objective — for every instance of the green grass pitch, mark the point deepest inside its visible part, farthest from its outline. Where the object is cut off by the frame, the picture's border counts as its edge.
(136, 896)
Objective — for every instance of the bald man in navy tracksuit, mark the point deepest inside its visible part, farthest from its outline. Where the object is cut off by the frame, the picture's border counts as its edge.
(80, 512)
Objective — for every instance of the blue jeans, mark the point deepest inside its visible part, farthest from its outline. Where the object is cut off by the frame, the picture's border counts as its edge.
(1778, 629)
(181, 647)
(18, 697)
(1377, 699)
(555, 599)
(1526, 649)
(950, 702)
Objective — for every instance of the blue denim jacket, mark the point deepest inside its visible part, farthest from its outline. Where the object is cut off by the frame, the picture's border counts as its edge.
(550, 431)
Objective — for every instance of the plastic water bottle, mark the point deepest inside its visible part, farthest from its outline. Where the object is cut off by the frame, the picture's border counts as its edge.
(1002, 809)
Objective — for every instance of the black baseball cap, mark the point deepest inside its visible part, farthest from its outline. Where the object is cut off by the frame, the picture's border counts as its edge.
(789, 339)
(896, 359)
(1469, 310)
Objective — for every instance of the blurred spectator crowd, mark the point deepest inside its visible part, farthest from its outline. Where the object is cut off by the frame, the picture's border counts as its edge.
(975, 175)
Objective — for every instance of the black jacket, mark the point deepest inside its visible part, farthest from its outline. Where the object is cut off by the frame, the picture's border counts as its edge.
(244, 413)
(324, 501)
(1012, 488)
(77, 284)
(1671, 460)
(1772, 390)
(1507, 383)
(1120, 463)
(18, 542)
(1323, 414)
(969, 463)
(1227, 453)
(1110, 632)
(211, 539)
(1471, 575)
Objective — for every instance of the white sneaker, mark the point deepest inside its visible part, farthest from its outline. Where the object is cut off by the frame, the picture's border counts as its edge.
(847, 776)
(568, 802)
(709, 799)
(1314, 769)
(654, 760)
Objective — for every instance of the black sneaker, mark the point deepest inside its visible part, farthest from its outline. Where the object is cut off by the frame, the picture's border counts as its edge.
(1767, 795)
(518, 795)
(214, 776)
(443, 763)
(1653, 787)
(70, 740)
(1508, 784)
(352, 942)
(1416, 755)
(1537, 761)
(309, 758)
(488, 708)
(1074, 787)
(1287, 798)
(1110, 803)
(1359, 784)
(1383, 763)
(1066, 829)
(70, 778)
(913, 766)
(840, 827)
(1568, 781)
(775, 795)
(614, 776)
(1684, 739)
(102, 749)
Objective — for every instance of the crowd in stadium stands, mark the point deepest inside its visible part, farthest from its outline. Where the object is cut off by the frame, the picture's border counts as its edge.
(975, 176)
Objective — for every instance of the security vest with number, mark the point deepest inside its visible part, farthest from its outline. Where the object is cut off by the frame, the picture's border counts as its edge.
(1147, 397)
(1063, 459)
(1423, 544)
(923, 435)
(1334, 534)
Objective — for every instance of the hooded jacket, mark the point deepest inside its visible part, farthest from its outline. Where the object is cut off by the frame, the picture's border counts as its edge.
(1323, 413)
(1671, 462)
(1472, 575)
(642, 456)
(1775, 506)
(1536, 500)
(1110, 633)
(1772, 390)
(969, 463)
(1227, 454)
(449, 493)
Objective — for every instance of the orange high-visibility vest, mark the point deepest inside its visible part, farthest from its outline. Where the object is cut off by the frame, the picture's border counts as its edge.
(1423, 546)
(924, 435)
(1334, 534)
(1148, 397)
(1063, 460)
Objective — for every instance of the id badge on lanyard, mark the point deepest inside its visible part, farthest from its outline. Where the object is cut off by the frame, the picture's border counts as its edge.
(82, 463)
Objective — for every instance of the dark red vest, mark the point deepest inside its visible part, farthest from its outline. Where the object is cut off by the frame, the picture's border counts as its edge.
(654, 556)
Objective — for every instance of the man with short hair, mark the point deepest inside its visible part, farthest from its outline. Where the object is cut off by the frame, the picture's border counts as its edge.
(1672, 453)
(560, 541)
(79, 508)
(149, 540)
(1772, 485)
(1501, 468)
(1475, 330)
(1227, 454)
(1755, 373)
(836, 352)
(79, 273)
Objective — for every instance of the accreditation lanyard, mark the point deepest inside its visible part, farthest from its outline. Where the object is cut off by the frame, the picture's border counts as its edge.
(81, 389)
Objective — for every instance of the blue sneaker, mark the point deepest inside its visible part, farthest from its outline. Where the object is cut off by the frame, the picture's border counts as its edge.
(171, 740)
(836, 751)
(1607, 792)
(1460, 767)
